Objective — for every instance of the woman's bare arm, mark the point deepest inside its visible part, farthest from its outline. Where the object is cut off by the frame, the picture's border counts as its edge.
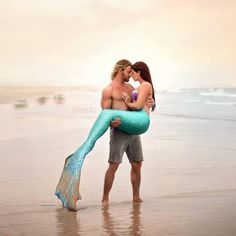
(144, 92)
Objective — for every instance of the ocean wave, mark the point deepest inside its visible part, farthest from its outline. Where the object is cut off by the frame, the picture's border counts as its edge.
(183, 116)
(175, 90)
(192, 100)
(210, 102)
(221, 103)
(218, 93)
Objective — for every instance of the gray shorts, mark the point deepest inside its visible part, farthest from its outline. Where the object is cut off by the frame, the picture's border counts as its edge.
(121, 142)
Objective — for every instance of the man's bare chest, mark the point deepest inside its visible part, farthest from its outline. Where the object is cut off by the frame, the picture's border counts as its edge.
(117, 93)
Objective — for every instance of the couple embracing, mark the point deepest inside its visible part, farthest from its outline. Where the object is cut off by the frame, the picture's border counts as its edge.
(127, 112)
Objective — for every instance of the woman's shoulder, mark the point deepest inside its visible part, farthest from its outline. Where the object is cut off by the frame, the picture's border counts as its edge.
(146, 85)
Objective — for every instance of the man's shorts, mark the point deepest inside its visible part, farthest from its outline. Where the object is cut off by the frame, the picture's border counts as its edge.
(121, 142)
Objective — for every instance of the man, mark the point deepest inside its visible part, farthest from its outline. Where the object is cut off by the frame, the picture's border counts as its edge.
(121, 142)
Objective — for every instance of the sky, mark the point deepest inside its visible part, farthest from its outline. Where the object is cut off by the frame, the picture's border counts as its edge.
(186, 44)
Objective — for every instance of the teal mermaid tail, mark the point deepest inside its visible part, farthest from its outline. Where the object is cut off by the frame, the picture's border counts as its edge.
(132, 122)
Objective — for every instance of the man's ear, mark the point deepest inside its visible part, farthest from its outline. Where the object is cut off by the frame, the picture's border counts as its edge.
(120, 71)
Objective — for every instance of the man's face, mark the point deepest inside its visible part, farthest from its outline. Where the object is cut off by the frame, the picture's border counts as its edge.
(126, 73)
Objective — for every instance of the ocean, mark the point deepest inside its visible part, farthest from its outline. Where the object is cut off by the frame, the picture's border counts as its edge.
(188, 175)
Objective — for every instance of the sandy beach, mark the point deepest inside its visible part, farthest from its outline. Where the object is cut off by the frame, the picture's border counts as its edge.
(188, 176)
(10, 94)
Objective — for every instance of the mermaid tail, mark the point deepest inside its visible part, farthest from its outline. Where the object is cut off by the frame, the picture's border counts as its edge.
(132, 122)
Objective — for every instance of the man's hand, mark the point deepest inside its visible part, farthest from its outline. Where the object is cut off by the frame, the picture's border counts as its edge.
(150, 102)
(115, 123)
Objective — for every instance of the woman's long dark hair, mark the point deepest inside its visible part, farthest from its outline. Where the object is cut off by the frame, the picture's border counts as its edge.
(145, 74)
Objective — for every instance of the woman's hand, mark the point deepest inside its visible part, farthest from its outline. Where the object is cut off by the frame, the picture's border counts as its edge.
(126, 97)
(144, 90)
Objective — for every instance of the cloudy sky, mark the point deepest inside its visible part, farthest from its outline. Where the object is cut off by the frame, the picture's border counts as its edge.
(76, 43)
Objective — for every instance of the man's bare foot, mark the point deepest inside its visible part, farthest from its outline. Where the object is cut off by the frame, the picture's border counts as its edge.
(105, 202)
(138, 199)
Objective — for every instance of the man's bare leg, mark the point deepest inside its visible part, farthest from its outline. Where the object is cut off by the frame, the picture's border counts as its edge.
(135, 175)
(108, 181)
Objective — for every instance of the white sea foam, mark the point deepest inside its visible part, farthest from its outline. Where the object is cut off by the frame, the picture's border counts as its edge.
(220, 103)
(191, 100)
(217, 93)
(175, 91)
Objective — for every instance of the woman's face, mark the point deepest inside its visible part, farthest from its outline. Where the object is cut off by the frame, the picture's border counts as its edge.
(135, 75)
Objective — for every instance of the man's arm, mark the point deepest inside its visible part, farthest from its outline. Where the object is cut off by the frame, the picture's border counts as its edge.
(106, 103)
(106, 100)
(150, 102)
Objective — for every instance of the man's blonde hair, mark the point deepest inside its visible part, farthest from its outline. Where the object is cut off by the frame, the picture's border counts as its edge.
(120, 65)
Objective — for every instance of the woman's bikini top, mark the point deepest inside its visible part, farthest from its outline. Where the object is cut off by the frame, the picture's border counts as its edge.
(134, 95)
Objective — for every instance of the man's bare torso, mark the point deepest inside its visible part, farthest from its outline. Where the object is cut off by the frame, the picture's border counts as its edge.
(116, 96)
(112, 96)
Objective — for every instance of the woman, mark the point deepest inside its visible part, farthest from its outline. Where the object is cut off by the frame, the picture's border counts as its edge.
(138, 100)
(132, 122)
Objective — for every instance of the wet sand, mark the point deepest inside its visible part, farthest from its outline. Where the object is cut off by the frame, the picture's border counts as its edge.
(12, 94)
(188, 177)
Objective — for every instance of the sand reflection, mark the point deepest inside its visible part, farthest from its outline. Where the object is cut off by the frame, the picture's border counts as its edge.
(135, 216)
(19, 104)
(109, 224)
(42, 100)
(112, 224)
(59, 99)
(67, 222)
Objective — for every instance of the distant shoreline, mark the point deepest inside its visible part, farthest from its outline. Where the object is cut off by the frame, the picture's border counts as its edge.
(9, 94)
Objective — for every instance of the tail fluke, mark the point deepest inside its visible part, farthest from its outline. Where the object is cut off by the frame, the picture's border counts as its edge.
(67, 189)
